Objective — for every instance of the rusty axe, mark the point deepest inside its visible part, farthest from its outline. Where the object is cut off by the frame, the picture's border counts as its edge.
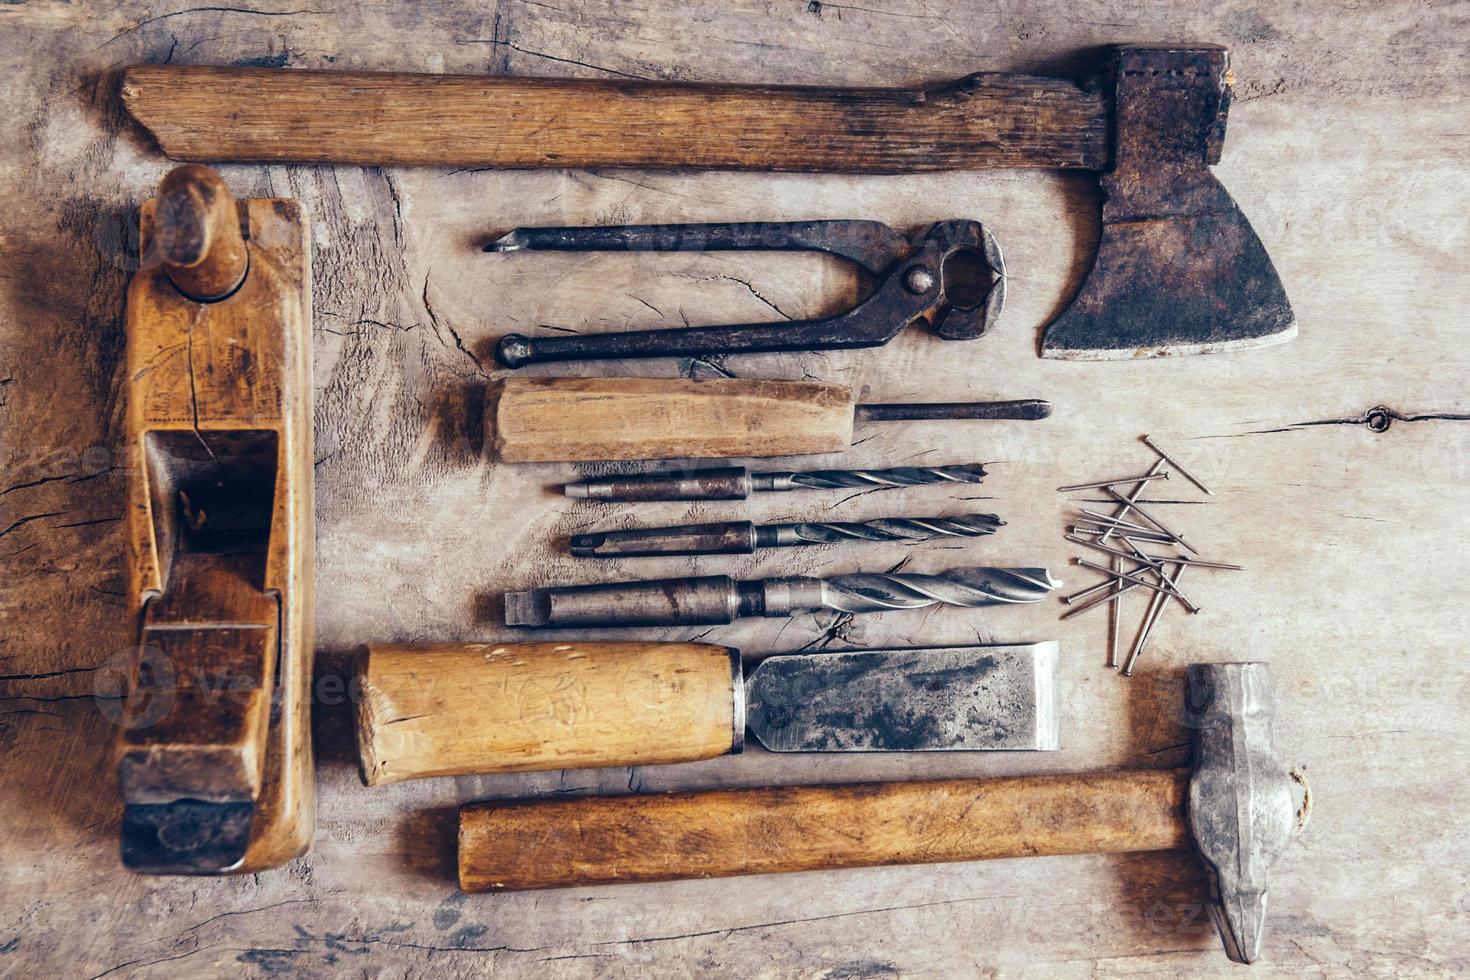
(1178, 268)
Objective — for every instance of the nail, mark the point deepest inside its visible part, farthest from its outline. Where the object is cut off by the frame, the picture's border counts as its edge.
(1111, 597)
(1207, 564)
(1166, 588)
(1115, 616)
(1159, 571)
(1094, 589)
(1113, 483)
(1151, 537)
(1138, 554)
(1115, 521)
(1154, 608)
(1136, 492)
(1155, 521)
(1155, 563)
(1177, 465)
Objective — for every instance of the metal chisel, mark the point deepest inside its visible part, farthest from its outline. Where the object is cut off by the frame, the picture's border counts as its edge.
(460, 709)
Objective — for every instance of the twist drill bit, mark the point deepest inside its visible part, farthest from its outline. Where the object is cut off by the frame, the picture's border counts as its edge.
(876, 592)
(737, 482)
(901, 476)
(719, 599)
(744, 537)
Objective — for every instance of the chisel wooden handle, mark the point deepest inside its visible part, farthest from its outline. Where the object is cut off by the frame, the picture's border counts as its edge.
(270, 115)
(458, 709)
(573, 419)
(551, 844)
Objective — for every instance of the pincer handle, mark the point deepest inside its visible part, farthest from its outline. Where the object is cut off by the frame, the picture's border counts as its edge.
(516, 350)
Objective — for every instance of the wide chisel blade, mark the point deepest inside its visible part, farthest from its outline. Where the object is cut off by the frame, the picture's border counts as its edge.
(931, 699)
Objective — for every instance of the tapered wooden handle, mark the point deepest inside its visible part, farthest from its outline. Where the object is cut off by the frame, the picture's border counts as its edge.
(455, 709)
(510, 846)
(580, 419)
(270, 115)
(196, 230)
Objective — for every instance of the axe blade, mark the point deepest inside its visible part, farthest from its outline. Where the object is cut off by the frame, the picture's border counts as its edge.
(1179, 270)
(1182, 284)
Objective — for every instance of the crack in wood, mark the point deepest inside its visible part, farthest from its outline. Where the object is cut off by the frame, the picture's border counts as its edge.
(1378, 419)
(201, 10)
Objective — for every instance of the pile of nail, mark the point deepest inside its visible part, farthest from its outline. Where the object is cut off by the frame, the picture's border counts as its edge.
(1143, 551)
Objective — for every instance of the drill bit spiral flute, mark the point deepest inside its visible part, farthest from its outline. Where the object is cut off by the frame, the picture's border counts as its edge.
(737, 482)
(719, 599)
(744, 537)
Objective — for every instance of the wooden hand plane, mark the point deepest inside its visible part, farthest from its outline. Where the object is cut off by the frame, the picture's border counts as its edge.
(214, 760)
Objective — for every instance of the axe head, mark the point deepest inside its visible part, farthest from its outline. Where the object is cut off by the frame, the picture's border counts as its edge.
(1179, 270)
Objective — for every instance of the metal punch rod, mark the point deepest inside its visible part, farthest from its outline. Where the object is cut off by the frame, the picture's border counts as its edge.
(1019, 409)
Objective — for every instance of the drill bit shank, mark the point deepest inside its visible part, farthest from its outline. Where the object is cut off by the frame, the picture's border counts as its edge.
(719, 599)
(737, 482)
(744, 537)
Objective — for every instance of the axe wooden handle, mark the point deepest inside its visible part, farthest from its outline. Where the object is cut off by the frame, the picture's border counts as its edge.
(450, 709)
(551, 844)
(274, 115)
(561, 419)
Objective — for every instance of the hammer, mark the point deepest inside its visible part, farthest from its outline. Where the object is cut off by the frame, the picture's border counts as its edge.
(1237, 805)
(1179, 269)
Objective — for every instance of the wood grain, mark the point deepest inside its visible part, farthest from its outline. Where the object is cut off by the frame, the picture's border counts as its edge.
(450, 709)
(221, 529)
(1345, 149)
(984, 120)
(512, 846)
(547, 420)
(196, 233)
(205, 736)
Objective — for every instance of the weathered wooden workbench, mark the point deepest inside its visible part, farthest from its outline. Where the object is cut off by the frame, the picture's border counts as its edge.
(1347, 149)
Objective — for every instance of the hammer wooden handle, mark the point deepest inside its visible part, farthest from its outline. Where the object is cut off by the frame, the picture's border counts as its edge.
(460, 708)
(520, 845)
(270, 115)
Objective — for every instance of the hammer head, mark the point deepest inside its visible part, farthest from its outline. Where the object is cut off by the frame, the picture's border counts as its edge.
(1178, 270)
(1242, 803)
